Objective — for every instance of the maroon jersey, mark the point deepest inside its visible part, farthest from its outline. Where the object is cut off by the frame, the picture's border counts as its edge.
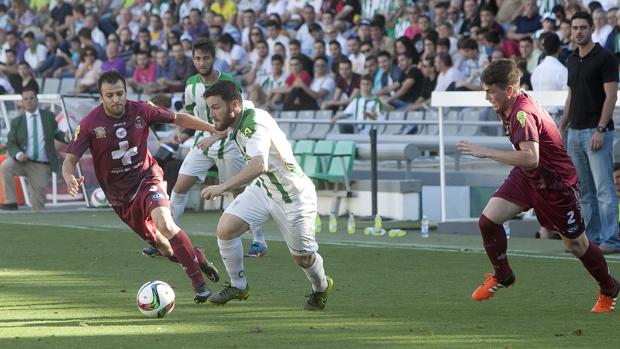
(121, 158)
(530, 122)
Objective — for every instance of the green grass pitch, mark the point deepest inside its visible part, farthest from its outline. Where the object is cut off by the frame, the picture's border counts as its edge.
(68, 280)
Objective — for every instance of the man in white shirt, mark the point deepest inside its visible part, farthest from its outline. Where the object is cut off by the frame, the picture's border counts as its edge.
(303, 33)
(550, 74)
(447, 72)
(35, 53)
(601, 28)
(274, 34)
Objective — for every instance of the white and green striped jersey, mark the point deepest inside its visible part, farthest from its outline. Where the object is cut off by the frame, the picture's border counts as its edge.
(196, 104)
(358, 109)
(258, 134)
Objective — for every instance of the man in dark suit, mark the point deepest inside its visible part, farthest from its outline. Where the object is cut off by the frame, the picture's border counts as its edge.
(32, 152)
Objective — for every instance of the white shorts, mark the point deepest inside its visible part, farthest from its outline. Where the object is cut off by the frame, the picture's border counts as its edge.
(197, 164)
(295, 220)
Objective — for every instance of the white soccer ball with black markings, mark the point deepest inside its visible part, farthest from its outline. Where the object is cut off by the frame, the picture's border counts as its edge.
(98, 199)
(155, 299)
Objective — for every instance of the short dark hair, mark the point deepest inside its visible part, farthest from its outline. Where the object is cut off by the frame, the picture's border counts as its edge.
(204, 45)
(294, 42)
(111, 77)
(502, 72)
(551, 43)
(527, 39)
(444, 42)
(85, 33)
(277, 57)
(582, 15)
(385, 53)
(445, 58)
(224, 89)
(29, 35)
(321, 58)
(616, 166)
(33, 88)
(369, 77)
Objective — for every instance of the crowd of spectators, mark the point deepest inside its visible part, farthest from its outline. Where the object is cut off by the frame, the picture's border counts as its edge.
(294, 54)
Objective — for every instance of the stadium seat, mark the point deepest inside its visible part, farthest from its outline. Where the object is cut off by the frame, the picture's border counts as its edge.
(67, 85)
(51, 86)
(303, 148)
(40, 82)
(395, 115)
(323, 150)
(320, 131)
(287, 127)
(340, 166)
(416, 115)
(469, 114)
(303, 130)
(452, 114)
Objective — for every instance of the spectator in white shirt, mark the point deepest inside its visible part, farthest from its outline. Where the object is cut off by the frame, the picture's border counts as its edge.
(260, 65)
(550, 74)
(279, 7)
(35, 53)
(234, 55)
(447, 73)
(355, 55)
(274, 34)
(601, 28)
(303, 33)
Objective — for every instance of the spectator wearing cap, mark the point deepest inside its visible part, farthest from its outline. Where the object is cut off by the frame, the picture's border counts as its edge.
(548, 25)
(363, 30)
(550, 74)
(13, 43)
(303, 33)
(35, 53)
(526, 24)
(601, 28)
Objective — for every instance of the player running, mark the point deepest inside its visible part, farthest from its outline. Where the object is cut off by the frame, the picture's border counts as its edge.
(209, 149)
(116, 133)
(278, 188)
(543, 178)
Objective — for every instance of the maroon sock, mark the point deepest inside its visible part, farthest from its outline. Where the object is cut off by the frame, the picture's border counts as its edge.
(595, 263)
(199, 254)
(184, 253)
(495, 243)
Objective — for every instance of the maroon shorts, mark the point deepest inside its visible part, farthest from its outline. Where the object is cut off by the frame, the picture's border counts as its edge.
(557, 210)
(137, 213)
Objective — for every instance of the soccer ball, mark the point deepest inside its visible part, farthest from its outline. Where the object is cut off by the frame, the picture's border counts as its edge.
(98, 199)
(155, 299)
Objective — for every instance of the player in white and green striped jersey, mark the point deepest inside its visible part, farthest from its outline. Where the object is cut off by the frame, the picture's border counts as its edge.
(209, 149)
(278, 188)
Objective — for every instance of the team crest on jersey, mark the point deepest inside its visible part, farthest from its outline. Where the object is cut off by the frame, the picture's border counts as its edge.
(100, 132)
(121, 133)
(76, 132)
(521, 115)
(248, 132)
(140, 122)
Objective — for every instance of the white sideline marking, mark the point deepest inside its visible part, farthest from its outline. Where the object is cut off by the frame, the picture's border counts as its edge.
(376, 244)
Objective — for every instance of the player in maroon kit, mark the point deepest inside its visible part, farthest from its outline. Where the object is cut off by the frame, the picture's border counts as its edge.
(543, 178)
(116, 133)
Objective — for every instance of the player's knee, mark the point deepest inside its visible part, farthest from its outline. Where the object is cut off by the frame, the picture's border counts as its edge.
(304, 261)
(167, 227)
(485, 223)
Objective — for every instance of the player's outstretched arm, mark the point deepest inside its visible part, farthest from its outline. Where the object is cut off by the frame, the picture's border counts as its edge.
(527, 156)
(254, 168)
(68, 166)
(189, 121)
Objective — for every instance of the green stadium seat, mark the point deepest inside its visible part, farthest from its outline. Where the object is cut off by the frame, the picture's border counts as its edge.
(303, 148)
(340, 166)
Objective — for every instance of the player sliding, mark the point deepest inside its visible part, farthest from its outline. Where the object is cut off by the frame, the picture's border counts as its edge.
(116, 133)
(277, 187)
(543, 178)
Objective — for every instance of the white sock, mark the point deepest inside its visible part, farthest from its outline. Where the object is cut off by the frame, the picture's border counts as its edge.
(316, 274)
(177, 205)
(259, 235)
(232, 256)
